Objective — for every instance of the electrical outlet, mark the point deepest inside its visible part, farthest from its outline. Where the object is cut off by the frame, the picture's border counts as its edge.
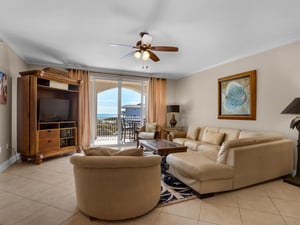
(0, 149)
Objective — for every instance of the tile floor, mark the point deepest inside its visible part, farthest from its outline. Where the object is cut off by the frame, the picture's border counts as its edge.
(44, 195)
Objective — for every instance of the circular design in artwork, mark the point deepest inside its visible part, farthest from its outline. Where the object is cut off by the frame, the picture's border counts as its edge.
(235, 96)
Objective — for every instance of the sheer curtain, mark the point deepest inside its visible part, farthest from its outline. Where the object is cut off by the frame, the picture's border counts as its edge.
(84, 107)
(157, 111)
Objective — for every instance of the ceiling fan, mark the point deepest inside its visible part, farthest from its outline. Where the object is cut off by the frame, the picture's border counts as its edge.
(144, 49)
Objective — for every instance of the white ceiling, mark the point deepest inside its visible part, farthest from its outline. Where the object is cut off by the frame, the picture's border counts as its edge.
(77, 33)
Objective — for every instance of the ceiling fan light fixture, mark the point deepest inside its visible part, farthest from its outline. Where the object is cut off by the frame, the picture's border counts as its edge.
(137, 54)
(145, 55)
(144, 50)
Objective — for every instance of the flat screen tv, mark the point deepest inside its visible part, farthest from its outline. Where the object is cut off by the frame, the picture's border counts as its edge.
(53, 109)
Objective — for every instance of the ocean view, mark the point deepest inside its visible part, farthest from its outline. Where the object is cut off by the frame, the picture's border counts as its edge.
(104, 116)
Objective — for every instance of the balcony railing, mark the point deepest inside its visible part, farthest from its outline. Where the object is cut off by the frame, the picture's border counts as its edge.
(107, 130)
(107, 127)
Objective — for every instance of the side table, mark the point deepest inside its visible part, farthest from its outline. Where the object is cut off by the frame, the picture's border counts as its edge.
(175, 133)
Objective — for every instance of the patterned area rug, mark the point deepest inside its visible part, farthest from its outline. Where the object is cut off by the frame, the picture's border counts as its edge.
(174, 191)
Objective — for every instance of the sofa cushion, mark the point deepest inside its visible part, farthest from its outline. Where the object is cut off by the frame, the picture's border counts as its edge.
(249, 134)
(230, 134)
(213, 137)
(146, 135)
(222, 155)
(191, 144)
(193, 132)
(151, 127)
(196, 164)
(180, 141)
(100, 151)
(208, 147)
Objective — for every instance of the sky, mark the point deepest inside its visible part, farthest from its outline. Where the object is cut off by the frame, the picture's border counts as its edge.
(107, 101)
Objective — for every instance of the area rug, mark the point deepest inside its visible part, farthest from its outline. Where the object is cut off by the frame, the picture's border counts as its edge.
(174, 191)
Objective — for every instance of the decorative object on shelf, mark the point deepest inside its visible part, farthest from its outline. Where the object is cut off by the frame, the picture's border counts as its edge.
(3, 88)
(237, 96)
(294, 108)
(173, 109)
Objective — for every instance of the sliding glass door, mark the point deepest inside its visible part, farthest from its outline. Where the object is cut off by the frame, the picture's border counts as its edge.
(118, 110)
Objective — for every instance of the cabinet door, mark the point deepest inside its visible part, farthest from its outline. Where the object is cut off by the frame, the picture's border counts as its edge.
(26, 115)
(48, 140)
(23, 116)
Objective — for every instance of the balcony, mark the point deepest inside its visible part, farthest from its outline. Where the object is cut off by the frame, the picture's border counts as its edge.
(107, 130)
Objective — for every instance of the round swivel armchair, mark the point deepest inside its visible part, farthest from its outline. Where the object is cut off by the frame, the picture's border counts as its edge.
(116, 187)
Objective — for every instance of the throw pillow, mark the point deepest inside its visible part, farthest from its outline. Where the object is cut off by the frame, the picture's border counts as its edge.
(213, 137)
(102, 151)
(192, 132)
(151, 127)
(130, 152)
(99, 151)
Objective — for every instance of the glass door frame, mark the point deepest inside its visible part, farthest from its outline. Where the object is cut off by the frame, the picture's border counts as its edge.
(93, 104)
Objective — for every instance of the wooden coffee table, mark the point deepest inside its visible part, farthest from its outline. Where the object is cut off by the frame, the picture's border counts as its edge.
(162, 147)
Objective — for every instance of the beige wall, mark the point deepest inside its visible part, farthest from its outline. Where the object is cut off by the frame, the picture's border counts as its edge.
(278, 83)
(10, 64)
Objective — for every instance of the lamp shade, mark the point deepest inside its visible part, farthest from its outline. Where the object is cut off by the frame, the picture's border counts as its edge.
(293, 107)
(173, 109)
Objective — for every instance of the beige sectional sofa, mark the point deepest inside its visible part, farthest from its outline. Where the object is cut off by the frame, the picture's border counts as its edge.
(222, 159)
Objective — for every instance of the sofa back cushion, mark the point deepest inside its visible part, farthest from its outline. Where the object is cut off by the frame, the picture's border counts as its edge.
(230, 134)
(222, 154)
(249, 134)
(204, 130)
(193, 132)
(214, 138)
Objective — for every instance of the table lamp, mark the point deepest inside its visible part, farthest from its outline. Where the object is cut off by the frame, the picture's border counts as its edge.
(294, 108)
(173, 109)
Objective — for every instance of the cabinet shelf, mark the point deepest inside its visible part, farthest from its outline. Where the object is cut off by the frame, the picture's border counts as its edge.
(46, 87)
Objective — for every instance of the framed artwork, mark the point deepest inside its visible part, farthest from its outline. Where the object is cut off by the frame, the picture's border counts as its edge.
(237, 96)
(3, 88)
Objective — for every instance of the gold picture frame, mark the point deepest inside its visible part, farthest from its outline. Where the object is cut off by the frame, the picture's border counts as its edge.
(237, 96)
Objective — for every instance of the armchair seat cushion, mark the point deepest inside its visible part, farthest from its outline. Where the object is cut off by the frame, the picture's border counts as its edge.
(146, 135)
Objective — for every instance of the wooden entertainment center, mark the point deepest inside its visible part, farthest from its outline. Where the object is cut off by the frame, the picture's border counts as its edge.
(41, 139)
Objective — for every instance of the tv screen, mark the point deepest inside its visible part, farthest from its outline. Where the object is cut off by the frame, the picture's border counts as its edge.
(53, 109)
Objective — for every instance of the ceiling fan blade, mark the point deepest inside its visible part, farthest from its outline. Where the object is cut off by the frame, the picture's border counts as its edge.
(129, 54)
(153, 56)
(120, 45)
(164, 48)
(146, 39)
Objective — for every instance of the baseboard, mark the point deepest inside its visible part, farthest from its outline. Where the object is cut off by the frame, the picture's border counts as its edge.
(10, 161)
